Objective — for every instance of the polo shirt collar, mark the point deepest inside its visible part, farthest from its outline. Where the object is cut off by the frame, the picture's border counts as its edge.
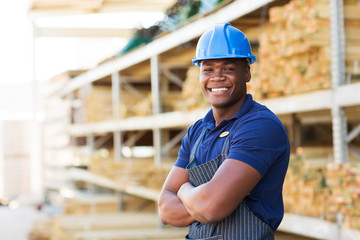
(209, 119)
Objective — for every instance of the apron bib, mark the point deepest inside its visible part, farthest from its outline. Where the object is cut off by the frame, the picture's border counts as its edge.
(241, 224)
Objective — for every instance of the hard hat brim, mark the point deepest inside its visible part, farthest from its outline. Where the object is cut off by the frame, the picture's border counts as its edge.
(196, 61)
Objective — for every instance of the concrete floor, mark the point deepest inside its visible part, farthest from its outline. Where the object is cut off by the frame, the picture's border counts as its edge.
(16, 223)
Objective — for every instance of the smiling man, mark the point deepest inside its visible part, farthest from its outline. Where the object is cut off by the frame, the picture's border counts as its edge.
(227, 181)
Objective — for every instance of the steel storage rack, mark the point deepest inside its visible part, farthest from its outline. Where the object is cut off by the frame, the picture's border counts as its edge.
(152, 66)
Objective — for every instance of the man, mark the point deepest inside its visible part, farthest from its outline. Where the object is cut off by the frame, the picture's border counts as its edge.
(227, 180)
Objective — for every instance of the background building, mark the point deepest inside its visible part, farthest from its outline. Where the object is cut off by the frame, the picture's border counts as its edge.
(110, 102)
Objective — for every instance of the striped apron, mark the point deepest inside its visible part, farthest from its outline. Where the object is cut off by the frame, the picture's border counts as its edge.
(241, 224)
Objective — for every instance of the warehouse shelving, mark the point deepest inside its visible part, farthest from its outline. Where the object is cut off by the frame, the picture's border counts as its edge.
(344, 96)
(156, 56)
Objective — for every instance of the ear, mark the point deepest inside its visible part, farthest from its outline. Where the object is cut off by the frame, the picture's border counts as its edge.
(247, 73)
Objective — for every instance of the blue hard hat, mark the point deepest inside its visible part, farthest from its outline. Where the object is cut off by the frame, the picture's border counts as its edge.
(223, 41)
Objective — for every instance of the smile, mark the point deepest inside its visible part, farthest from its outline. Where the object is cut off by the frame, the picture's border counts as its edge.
(218, 89)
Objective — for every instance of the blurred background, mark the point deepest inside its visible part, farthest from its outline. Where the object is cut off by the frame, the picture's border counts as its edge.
(97, 95)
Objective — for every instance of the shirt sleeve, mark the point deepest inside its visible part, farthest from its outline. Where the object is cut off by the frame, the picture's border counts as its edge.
(184, 152)
(259, 143)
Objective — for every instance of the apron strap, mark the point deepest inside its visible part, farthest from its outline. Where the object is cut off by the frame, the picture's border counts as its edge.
(193, 150)
(226, 146)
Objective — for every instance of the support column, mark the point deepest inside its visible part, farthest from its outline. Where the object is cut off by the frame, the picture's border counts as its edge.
(116, 96)
(295, 131)
(90, 142)
(337, 38)
(2, 163)
(36, 157)
(156, 100)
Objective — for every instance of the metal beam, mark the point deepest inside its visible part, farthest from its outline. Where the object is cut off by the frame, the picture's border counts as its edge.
(161, 121)
(354, 151)
(133, 90)
(116, 96)
(156, 100)
(173, 77)
(337, 38)
(353, 134)
(90, 142)
(174, 141)
(101, 141)
(133, 138)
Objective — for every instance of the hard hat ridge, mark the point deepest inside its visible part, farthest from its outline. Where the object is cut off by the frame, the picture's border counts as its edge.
(223, 41)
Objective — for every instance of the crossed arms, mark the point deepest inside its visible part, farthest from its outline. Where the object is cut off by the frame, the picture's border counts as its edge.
(180, 203)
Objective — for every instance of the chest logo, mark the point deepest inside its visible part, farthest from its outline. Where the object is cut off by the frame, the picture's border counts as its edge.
(224, 134)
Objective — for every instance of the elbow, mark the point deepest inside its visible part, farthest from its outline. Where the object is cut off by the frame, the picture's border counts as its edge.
(161, 211)
(209, 215)
(163, 220)
(208, 210)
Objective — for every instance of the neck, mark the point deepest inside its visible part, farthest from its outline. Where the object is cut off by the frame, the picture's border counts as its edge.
(224, 113)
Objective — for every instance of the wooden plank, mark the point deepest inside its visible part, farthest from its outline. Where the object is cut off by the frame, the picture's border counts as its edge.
(110, 221)
(323, 11)
(315, 228)
(139, 191)
(132, 234)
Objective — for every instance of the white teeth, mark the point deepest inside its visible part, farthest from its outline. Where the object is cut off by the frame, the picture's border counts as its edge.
(218, 89)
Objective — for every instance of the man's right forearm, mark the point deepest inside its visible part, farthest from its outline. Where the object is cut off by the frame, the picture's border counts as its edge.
(172, 210)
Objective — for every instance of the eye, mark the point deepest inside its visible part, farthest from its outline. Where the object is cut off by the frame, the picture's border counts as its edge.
(229, 69)
(207, 70)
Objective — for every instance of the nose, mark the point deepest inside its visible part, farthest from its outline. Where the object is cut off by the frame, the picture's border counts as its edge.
(218, 75)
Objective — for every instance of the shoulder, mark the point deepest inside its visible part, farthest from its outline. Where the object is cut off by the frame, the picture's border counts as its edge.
(259, 127)
(262, 119)
(196, 127)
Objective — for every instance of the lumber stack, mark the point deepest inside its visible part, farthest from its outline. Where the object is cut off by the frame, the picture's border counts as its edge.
(295, 50)
(141, 172)
(41, 230)
(322, 189)
(114, 226)
(144, 107)
(191, 95)
(91, 204)
(98, 103)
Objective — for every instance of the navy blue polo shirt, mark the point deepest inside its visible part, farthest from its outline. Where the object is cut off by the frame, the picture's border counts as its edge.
(258, 138)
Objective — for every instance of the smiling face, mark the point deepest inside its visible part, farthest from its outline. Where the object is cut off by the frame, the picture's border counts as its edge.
(223, 82)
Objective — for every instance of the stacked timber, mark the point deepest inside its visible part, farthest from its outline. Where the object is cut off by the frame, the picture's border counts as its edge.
(144, 107)
(91, 204)
(41, 230)
(98, 103)
(140, 172)
(316, 187)
(191, 95)
(114, 226)
(295, 52)
(344, 183)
